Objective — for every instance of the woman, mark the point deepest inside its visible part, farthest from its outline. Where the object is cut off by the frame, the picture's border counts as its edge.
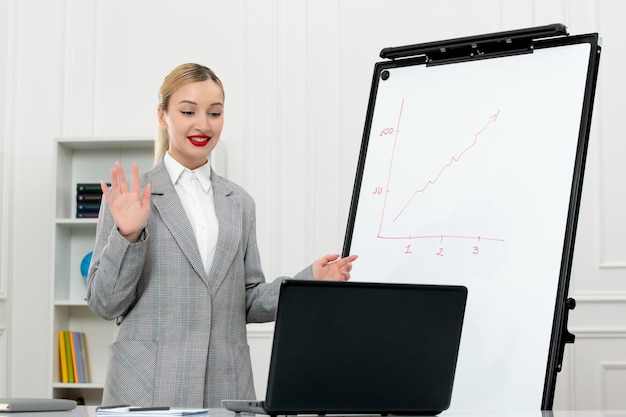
(176, 263)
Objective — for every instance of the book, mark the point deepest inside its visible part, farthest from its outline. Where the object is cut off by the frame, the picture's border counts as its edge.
(73, 357)
(88, 207)
(68, 353)
(62, 357)
(89, 188)
(80, 362)
(84, 357)
(88, 198)
(87, 215)
(8, 405)
(74, 350)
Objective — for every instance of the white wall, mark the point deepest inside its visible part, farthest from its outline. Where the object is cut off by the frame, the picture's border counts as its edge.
(297, 77)
(5, 146)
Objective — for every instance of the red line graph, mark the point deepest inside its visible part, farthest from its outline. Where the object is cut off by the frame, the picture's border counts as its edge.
(432, 181)
(454, 159)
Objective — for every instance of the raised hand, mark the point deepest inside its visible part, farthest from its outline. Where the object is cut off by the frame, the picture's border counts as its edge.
(129, 208)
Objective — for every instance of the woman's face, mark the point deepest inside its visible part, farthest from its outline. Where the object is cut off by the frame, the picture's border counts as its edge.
(194, 121)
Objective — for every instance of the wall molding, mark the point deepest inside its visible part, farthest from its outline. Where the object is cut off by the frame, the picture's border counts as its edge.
(605, 388)
(612, 265)
(599, 297)
(6, 150)
(599, 333)
(3, 360)
(260, 330)
(4, 214)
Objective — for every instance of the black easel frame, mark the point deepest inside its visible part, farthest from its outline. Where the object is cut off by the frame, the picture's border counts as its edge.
(496, 45)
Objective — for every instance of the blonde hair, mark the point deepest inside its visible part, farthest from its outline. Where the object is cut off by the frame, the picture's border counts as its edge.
(180, 76)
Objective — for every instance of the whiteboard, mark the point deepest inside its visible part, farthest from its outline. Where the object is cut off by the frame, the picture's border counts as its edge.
(469, 174)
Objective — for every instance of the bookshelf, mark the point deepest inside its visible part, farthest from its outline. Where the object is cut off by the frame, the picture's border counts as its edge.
(82, 160)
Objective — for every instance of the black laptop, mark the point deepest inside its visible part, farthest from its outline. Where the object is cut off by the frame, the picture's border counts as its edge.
(362, 348)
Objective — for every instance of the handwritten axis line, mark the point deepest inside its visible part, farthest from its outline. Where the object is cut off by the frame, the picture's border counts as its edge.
(441, 237)
(393, 151)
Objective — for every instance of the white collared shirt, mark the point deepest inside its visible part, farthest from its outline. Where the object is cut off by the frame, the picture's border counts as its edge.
(194, 189)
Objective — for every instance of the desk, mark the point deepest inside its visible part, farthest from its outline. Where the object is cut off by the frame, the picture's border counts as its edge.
(90, 411)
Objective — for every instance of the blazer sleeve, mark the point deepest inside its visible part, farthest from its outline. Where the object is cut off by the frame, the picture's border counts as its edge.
(261, 296)
(115, 269)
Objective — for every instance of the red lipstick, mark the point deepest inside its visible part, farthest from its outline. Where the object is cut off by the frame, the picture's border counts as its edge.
(199, 140)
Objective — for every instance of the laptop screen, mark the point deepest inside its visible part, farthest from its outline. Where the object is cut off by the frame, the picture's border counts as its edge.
(364, 347)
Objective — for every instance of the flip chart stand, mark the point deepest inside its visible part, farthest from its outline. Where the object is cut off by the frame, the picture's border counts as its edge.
(470, 173)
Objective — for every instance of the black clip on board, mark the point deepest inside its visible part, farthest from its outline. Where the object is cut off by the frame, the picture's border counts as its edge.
(470, 173)
(477, 47)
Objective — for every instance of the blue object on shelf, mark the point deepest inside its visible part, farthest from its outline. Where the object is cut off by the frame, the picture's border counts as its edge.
(84, 265)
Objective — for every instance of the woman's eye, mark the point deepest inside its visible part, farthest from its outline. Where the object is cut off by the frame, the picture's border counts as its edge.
(215, 114)
(187, 113)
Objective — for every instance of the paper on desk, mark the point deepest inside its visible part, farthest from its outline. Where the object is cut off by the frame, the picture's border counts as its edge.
(149, 411)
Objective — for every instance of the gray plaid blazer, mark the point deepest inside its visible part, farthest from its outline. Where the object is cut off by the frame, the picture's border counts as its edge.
(181, 335)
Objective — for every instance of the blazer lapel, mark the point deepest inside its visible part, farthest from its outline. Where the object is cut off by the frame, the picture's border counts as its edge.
(167, 203)
(229, 210)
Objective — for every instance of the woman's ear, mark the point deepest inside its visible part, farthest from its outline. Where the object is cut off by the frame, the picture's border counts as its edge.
(162, 118)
